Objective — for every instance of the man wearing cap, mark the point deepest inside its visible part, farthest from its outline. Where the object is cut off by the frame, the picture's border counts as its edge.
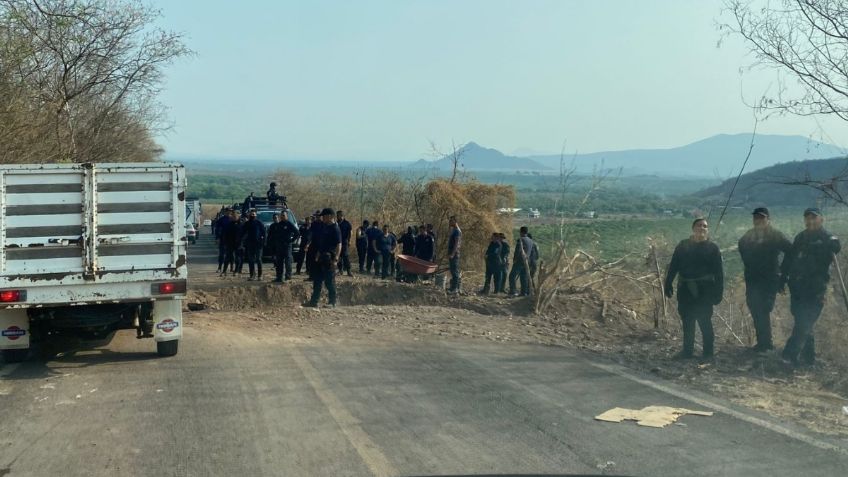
(281, 235)
(807, 271)
(328, 245)
(760, 249)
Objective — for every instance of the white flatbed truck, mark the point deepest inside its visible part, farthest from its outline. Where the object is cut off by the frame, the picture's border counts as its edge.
(89, 249)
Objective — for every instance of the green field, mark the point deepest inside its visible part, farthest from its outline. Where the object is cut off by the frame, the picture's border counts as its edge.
(610, 239)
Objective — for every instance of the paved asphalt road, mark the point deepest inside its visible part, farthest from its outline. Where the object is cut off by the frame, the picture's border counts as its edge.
(234, 402)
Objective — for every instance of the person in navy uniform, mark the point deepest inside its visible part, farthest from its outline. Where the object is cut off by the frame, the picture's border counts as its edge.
(407, 247)
(375, 257)
(493, 264)
(230, 237)
(700, 287)
(347, 231)
(305, 238)
(761, 249)
(388, 245)
(522, 263)
(807, 271)
(272, 196)
(328, 245)
(362, 244)
(500, 286)
(220, 225)
(254, 240)
(454, 247)
(281, 235)
(312, 250)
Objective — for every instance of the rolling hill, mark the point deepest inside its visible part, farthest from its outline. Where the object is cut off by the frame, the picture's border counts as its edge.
(772, 186)
(718, 156)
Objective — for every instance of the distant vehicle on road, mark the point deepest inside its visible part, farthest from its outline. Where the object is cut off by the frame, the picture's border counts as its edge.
(191, 233)
(207, 223)
(534, 213)
(111, 257)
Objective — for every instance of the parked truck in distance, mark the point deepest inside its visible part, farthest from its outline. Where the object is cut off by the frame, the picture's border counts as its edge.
(89, 249)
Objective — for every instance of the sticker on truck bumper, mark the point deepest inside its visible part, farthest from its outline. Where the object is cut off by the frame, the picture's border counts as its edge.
(13, 333)
(167, 325)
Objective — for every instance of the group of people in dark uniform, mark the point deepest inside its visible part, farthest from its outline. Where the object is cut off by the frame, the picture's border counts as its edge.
(804, 268)
(377, 248)
(524, 261)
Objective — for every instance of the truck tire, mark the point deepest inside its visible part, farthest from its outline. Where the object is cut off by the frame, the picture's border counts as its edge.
(167, 348)
(15, 355)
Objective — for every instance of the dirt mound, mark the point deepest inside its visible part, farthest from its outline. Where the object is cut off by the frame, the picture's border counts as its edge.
(351, 292)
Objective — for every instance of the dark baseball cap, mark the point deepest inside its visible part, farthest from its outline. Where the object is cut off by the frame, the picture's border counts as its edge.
(328, 211)
(812, 211)
(761, 211)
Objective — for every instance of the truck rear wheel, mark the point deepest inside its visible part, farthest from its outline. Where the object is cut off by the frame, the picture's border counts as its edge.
(15, 355)
(167, 348)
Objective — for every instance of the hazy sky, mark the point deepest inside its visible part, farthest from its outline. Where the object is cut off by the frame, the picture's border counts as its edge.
(379, 79)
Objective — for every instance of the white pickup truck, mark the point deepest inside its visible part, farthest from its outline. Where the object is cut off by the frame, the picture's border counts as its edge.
(89, 249)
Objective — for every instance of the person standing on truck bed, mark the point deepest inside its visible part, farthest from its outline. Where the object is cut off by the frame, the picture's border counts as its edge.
(254, 239)
(760, 249)
(230, 237)
(807, 271)
(221, 224)
(347, 231)
(281, 235)
(328, 245)
(362, 244)
(700, 287)
(305, 239)
(272, 196)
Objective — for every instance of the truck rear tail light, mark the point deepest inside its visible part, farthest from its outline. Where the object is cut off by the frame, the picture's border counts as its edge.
(12, 296)
(168, 288)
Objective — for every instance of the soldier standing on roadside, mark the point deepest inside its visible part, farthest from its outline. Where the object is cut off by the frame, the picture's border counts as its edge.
(500, 286)
(700, 287)
(521, 263)
(347, 230)
(281, 236)
(760, 249)
(807, 271)
(254, 240)
(493, 264)
(362, 244)
(305, 238)
(328, 245)
(454, 247)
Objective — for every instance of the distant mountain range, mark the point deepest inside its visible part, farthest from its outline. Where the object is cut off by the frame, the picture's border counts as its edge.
(779, 184)
(720, 155)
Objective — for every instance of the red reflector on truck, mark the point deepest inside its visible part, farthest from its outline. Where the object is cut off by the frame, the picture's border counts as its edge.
(168, 288)
(11, 296)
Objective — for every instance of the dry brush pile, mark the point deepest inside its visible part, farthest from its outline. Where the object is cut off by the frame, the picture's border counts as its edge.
(401, 202)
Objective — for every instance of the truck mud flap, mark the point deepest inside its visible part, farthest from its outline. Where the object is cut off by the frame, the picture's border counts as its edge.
(168, 320)
(14, 329)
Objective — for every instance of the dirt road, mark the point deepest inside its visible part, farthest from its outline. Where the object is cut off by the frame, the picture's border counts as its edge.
(239, 402)
(429, 388)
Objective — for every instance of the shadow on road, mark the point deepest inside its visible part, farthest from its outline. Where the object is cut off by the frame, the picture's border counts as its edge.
(40, 368)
